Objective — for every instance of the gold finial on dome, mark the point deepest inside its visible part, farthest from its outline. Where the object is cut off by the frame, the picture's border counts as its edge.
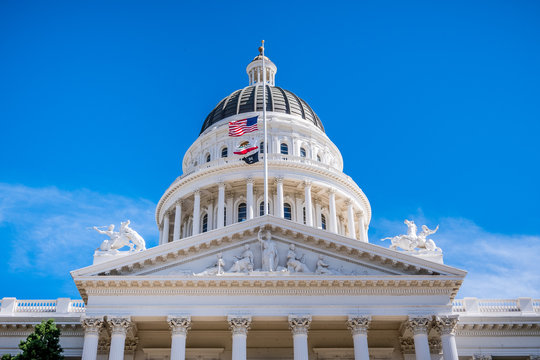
(261, 48)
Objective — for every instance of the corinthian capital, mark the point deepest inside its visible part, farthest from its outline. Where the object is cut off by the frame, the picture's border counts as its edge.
(299, 324)
(358, 325)
(179, 324)
(447, 324)
(119, 325)
(419, 325)
(92, 325)
(239, 324)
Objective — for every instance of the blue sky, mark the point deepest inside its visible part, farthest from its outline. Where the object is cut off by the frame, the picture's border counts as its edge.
(434, 106)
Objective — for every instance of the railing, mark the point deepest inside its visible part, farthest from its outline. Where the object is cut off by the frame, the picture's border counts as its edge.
(490, 306)
(271, 157)
(35, 306)
(60, 306)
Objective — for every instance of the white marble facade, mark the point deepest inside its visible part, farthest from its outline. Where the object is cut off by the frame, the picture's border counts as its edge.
(304, 282)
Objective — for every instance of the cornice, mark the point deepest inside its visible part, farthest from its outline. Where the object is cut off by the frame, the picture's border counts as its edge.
(263, 286)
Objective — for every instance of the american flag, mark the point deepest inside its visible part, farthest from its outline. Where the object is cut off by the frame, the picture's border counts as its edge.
(241, 127)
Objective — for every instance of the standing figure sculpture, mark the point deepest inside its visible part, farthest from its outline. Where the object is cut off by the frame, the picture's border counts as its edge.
(269, 251)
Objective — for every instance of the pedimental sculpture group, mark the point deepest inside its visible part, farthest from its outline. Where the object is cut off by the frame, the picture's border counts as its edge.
(302, 282)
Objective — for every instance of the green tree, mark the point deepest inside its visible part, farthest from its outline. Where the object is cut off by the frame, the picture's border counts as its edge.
(42, 344)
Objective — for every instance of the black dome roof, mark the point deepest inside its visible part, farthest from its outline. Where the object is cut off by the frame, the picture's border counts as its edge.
(250, 99)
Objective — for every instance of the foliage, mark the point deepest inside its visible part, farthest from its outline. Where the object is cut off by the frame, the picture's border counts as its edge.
(42, 344)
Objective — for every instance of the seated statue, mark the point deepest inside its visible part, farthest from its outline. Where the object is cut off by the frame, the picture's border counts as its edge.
(244, 262)
(295, 264)
(322, 267)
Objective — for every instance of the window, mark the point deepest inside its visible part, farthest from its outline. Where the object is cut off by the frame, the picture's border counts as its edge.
(304, 212)
(302, 152)
(323, 222)
(261, 209)
(242, 211)
(224, 152)
(208, 158)
(318, 158)
(287, 211)
(261, 147)
(224, 216)
(284, 149)
(205, 223)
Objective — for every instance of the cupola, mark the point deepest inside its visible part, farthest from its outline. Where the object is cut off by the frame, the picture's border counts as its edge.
(255, 70)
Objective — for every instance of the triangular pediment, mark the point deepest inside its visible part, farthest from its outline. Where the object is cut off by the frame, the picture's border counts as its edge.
(316, 253)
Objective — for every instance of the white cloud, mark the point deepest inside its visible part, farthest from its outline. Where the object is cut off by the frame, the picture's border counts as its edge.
(49, 228)
(46, 231)
(498, 265)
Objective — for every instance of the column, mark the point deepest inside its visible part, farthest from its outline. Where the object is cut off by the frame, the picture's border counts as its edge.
(350, 211)
(196, 212)
(239, 326)
(332, 205)
(92, 326)
(362, 226)
(279, 190)
(249, 198)
(307, 202)
(359, 327)
(119, 328)
(177, 219)
(447, 327)
(299, 326)
(165, 227)
(211, 215)
(420, 327)
(221, 205)
(318, 213)
(179, 327)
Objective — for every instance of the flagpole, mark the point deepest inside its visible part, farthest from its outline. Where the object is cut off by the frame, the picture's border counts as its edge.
(266, 207)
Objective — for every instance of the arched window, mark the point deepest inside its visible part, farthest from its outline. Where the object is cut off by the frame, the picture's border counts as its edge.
(242, 212)
(304, 212)
(284, 149)
(287, 211)
(261, 147)
(302, 152)
(205, 223)
(319, 158)
(224, 216)
(261, 208)
(224, 152)
(208, 158)
(323, 222)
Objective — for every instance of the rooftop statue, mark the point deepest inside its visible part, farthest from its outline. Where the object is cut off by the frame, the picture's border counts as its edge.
(118, 239)
(412, 240)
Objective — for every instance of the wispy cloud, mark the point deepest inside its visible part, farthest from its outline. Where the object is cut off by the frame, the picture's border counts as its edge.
(46, 230)
(498, 265)
(45, 233)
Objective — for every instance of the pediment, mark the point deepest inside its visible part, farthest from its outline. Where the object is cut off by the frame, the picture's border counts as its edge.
(317, 253)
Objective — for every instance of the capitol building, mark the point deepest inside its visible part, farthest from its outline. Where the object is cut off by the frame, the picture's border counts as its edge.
(230, 280)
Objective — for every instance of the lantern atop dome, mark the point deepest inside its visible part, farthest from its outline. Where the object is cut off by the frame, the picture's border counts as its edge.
(255, 70)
